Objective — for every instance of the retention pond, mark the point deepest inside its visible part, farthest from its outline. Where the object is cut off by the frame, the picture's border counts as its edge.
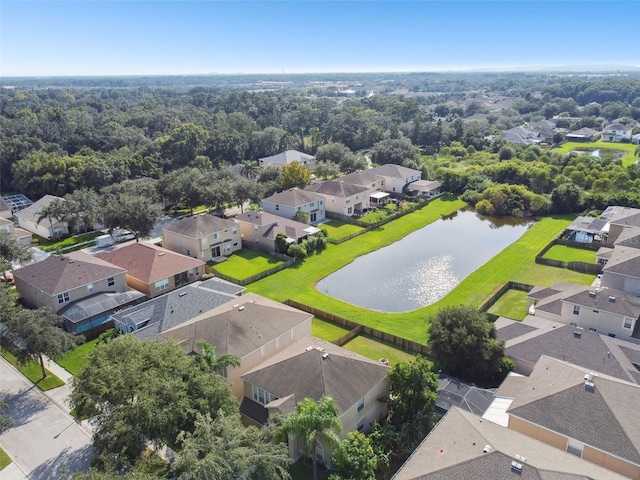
(425, 265)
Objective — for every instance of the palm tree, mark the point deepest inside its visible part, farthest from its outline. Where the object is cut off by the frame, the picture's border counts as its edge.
(51, 211)
(213, 363)
(250, 169)
(317, 422)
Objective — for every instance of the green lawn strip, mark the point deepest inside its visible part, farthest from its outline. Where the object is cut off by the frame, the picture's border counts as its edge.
(49, 246)
(326, 330)
(33, 372)
(375, 350)
(74, 360)
(246, 263)
(627, 159)
(4, 459)
(513, 305)
(544, 276)
(565, 253)
(338, 230)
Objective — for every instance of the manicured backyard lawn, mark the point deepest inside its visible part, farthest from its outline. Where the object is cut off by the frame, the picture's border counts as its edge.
(513, 305)
(33, 372)
(565, 253)
(4, 459)
(53, 246)
(245, 263)
(74, 360)
(326, 330)
(338, 230)
(627, 160)
(375, 350)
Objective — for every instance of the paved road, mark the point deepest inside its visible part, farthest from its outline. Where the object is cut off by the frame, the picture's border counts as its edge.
(45, 441)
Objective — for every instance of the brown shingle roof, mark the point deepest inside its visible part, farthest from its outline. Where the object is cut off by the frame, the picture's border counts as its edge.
(149, 263)
(200, 226)
(62, 273)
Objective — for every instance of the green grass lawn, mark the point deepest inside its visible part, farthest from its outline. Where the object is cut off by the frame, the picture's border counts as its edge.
(515, 262)
(4, 459)
(627, 160)
(245, 263)
(33, 372)
(326, 330)
(52, 246)
(375, 350)
(565, 253)
(338, 230)
(74, 360)
(513, 305)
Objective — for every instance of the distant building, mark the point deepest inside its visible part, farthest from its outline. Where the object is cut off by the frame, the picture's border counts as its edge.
(616, 132)
(285, 158)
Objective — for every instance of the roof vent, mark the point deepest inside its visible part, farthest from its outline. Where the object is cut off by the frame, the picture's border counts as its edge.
(590, 387)
(161, 254)
(612, 299)
(516, 467)
(182, 294)
(588, 377)
(308, 349)
(521, 459)
(577, 334)
(486, 449)
(325, 355)
(592, 294)
(236, 305)
(240, 308)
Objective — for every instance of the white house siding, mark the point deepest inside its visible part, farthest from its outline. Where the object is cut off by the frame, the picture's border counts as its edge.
(396, 185)
(43, 231)
(346, 205)
(288, 211)
(616, 135)
(598, 320)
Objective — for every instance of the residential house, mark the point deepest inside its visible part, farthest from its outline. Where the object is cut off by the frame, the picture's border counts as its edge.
(62, 280)
(636, 139)
(154, 270)
(601, 310)
(396, 177)
(203, 237)
(285, 158)
(260, 229)
(622, 269)
(456, 393)
(424, 188)
(522, 136)
(149, 319)
(621, 218)
(16, 202)
(312, 368)
(584, 134)
(5, 209)
(20, 235)
(288, 203)
(375, 184)
(251, 327)
(46, 227)
(342, 198)
(616, 132)
(584, 412)
(465, 446)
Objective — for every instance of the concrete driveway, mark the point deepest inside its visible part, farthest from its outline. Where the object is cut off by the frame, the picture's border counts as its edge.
(45, 442)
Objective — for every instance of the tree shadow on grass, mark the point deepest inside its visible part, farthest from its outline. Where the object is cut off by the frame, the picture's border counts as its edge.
(22, 406)
(66, 463)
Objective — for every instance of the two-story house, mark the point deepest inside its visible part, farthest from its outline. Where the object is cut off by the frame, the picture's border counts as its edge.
(341, 197)
(285, 158)
(616, 132)
(288, 203)
(375, 183)
(396, 177)
(203, 237)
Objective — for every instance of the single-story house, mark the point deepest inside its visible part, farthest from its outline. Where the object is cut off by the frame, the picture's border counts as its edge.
(396, 177)
(154, 270)
(522, 136)
(584, 134)
(203, 237)
(424, 188)
(20, 235)
(285, 158)
(312, 368)
(260, 229)
(288, 203)
(60, 280)
(46, 227)
(616, 132)
(342, 198)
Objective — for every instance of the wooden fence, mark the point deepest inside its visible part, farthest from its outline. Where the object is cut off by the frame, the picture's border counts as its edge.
(493, 298)
(583, 267)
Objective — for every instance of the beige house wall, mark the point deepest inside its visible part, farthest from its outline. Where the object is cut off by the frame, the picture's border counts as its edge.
(598, 319)
(537, 432)
(610, 462)
(341, 205)
(372, 412)
(201, 248)
(43, 231)
(184, 245)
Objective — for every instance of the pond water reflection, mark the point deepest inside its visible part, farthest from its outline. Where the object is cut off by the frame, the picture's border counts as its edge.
(424, 266)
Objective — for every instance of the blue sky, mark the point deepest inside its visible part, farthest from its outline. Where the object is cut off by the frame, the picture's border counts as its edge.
(199, 37)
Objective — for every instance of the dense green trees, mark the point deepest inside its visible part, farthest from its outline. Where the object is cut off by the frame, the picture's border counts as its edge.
(295, 175)
(355, 458)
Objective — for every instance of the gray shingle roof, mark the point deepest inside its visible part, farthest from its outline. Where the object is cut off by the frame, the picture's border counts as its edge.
(285, 158)
(607, 417)
(294, 197)
(606, 300)
(62, 273)
(395, 171)
(514, 330)
(336, 188)
(199, 226)
(277, 225)
(362, 178)
(616, 126)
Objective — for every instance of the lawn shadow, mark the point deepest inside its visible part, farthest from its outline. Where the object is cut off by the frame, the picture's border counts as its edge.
(22, 406)
(65, 464)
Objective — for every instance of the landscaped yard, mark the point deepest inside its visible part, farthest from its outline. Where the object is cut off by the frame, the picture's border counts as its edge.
(245, 263)
(375, 350)
(4, 459)
(67, 243)
(33, 372)
(515, 262)
(338, 230)
(565, 253)
(326, 330)
(74, 360)
(513, 305)
(627, 160)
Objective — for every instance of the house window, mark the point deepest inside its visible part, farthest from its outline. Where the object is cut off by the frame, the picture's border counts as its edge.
(63, 297)
(162, 285)
(596, 311)
(360, 426)
(575, 447)
(361, 404)
(592, 329)
(216, 236)
(576, 309)
(111, 282)
(260, 395)
(627, 323)
(90, 288)
(319, 452)
(349, 210)
(572, 324)
(235, 244)
(277, 207)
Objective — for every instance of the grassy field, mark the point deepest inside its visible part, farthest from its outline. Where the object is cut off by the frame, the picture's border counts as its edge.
(246, 263)
(627, 160)
(74, 360)
(565, 253)
(337, 229)
(515, 262)
(33, 372)
(375, 350)
(326, 330)
(513, 305)
(51, 246)
(4, 459)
